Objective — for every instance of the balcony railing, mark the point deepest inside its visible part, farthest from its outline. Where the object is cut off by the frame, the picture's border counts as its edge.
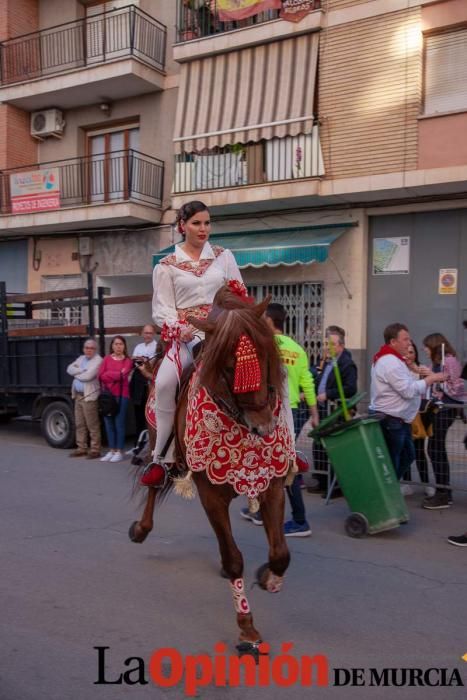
(100, 38)
(103, 178)
(200, 18)
(279, 159)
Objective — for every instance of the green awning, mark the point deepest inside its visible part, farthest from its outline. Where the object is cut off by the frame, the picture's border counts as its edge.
(278, 246)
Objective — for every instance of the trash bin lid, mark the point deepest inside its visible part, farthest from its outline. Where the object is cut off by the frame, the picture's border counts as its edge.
(336, 415)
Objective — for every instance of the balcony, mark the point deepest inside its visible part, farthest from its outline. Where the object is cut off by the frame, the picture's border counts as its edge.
(243, 165)
(198, 20)
(108, 189)
(117, 54)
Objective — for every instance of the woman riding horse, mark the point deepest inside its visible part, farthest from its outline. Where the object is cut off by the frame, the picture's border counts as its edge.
(185, 283)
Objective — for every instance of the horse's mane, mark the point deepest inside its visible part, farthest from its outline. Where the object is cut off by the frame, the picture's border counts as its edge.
(234, 316)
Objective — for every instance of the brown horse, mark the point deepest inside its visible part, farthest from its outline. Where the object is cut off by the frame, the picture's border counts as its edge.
(230, 319)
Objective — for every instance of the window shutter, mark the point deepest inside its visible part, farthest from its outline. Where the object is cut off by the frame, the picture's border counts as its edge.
(446, 72)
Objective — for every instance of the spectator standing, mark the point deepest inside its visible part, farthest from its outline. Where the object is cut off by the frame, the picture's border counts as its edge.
(139, 382)
(299, 379)
(396, 393)
(421, 427)
(328, 392)
(114, 375)
(449, 397)
(85, 391)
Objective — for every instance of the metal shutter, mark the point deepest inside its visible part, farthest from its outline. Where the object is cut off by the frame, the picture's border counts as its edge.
(446, 72)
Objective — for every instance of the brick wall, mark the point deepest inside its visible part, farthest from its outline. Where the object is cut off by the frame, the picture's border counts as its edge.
(17, 147)
(18, 17)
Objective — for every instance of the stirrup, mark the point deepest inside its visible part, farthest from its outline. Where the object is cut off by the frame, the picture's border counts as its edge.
(155, 475)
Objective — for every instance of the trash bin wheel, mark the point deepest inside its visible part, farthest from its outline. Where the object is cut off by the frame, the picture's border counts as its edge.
(356, 525)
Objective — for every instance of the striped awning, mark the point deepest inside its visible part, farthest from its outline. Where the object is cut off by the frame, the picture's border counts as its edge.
(274, 247)
(260, 92)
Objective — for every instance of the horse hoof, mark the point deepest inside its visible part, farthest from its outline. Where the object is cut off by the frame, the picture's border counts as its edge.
(261, 576)
(133, 533)
(249, 649)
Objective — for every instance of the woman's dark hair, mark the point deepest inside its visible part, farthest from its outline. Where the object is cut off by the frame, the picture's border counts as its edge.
(188, 210)
(416, 360)
(119, 337)
(433, 341)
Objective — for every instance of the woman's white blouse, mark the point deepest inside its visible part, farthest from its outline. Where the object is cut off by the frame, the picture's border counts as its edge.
(181, 283)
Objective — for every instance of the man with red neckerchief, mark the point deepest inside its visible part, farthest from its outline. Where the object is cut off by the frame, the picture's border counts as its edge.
(396, 393)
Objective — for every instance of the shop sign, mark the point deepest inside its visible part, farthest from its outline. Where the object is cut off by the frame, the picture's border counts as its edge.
(35, 190)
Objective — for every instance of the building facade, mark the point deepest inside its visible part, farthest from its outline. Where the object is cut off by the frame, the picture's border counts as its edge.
(328, 138)
(87, 92)
(353, 117)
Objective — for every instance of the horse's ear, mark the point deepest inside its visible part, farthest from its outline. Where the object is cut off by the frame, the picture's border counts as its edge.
(260, 308)
(202, 324)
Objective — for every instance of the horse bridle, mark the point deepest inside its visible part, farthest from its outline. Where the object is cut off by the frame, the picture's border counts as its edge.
(232, 409)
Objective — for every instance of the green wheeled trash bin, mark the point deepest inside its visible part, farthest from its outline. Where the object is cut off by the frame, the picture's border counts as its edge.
(358, 453)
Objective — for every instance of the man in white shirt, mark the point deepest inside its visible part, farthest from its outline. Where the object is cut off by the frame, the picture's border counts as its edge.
(139, 383)
(396, 393)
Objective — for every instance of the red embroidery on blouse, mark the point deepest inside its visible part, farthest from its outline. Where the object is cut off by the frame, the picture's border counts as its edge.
(197, 268)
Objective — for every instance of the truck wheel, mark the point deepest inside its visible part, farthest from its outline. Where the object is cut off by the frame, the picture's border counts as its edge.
(356, 525)
(57, 425)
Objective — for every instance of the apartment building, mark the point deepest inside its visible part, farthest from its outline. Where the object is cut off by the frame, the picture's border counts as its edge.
(332, 152)
(87, 94)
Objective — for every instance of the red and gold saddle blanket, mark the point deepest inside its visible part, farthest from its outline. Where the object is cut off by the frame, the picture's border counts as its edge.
(228, 451)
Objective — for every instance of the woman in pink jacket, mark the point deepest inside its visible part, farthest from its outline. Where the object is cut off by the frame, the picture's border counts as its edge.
(114, 374)
(450, 397)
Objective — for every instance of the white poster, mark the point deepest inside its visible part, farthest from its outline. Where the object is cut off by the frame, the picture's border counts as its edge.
(391, 256)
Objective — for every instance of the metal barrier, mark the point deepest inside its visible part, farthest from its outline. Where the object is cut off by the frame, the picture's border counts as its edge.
(105, 177)
(85, 42)
(441, 460)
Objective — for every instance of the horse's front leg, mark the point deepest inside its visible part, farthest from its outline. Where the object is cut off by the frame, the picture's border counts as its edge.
(216, 501)
(140, 529)
(270, 576)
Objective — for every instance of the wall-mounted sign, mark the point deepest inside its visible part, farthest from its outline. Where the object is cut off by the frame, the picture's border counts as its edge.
(35, 190)
(447, 281)
(296, 10)
(391, 256)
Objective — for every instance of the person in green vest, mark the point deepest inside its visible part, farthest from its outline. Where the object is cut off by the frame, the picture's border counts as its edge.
(300, 381)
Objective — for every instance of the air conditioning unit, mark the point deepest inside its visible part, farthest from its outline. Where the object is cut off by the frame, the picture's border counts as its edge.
(47, 122)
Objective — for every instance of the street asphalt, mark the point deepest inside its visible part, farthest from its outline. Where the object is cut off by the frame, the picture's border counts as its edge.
(71, 580)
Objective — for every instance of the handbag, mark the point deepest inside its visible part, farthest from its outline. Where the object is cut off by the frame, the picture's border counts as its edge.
(108, 404)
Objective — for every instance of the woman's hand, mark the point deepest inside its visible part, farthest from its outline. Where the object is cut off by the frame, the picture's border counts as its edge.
(186, 334)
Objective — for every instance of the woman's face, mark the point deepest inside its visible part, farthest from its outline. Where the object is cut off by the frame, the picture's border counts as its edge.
(197, 229)
(427, 351)
(118, 346)
(411, 353)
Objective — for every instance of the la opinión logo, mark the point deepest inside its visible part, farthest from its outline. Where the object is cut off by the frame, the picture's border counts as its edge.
(167, 667)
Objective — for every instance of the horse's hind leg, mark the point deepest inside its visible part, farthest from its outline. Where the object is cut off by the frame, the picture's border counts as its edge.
(270, 576)
(140, 529)
(216, 501)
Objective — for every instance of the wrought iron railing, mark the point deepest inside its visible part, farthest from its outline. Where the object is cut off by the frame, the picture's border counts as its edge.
(289, 158)
(95, 39)
(102, 178)
(200, 18)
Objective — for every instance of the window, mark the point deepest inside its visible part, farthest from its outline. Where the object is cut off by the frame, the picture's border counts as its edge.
(303, 302)
(445, 71)
(112, 163)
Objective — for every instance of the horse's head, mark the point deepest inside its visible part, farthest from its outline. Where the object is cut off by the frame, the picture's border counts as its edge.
(241, 367)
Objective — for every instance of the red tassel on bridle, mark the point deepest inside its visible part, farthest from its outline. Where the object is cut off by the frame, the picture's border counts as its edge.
(247, 375)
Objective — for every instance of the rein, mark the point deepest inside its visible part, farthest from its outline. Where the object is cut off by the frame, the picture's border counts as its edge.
(232, 409)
